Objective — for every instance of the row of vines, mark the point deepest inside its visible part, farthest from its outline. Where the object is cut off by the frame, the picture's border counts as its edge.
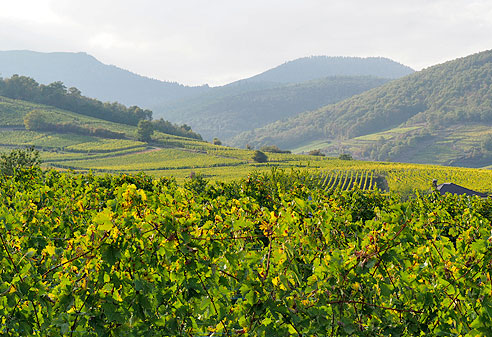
(274, 254)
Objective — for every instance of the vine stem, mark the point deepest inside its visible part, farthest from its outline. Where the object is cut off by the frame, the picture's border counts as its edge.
(376, 306)
(8, 253)
(213, 303)
(75, 258)
(17, 271)
(268, 259)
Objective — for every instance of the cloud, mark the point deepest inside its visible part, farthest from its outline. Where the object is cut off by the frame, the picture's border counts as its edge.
(195, 42)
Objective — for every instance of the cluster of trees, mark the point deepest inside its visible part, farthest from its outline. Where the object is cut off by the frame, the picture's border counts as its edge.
(58, 95)
(36, 121)
(273, 149)
(395, 149)
(183, 130)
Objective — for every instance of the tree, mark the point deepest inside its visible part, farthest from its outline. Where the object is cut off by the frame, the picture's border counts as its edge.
(18, 159)
(345, 156)
(316, 152)
(35, 120)
(145, 130)
(260, 157)
(486, 143)
(273, 149)
(216, 141)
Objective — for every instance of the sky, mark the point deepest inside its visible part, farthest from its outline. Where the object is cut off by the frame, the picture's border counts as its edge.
(215, 42)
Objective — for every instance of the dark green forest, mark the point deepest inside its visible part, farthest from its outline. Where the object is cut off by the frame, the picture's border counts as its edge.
(227, 111)
(455, 92)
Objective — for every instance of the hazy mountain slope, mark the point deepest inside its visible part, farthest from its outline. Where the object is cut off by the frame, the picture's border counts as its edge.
(225, 113)
(309, 68)
(93, 78)
(455, 92)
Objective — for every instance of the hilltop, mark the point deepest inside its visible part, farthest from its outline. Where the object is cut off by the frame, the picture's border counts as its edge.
(314, 67)
(438, 115)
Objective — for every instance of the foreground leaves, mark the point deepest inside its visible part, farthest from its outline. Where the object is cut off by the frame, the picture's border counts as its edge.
(133, 256)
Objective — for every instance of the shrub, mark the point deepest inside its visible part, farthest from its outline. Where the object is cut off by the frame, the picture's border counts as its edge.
(345, 156)
(273, 149)
(316, 153)
(18, 159)
(145, 130)
(35, 120)
(260, 157)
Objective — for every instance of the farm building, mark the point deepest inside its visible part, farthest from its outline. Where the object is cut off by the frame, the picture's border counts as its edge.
(456, 189)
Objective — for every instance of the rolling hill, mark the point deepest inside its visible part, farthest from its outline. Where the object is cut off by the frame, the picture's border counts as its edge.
(92, 77)
(245, 105)
(295, 86)
(167, 155)
(441, 114)
(286, 90)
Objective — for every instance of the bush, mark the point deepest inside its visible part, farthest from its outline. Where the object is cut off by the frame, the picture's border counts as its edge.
(145, 130)
(260, 157)
(273, 149)
(316, 153)
(35, 120)
(216, 141)
(345, 156)
(18, 159)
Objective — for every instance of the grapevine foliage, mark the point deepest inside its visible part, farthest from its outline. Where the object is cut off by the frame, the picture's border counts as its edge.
(270, 255)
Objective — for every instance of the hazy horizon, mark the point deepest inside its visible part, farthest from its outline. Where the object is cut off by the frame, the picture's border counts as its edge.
(194, 43)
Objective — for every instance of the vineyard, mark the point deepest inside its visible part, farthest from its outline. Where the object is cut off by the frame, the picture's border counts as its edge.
(272, 254)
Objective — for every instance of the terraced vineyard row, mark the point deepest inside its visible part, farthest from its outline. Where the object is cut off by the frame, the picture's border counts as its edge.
(347, 180)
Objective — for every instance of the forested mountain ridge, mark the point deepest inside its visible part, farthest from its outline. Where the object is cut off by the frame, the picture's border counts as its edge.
(300, 85)
(230, 110)
(455, 92)
(92, 77)
(313, 67)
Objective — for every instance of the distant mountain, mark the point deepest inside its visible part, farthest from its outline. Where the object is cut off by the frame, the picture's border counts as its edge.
(441, 115)
(93, 78)
(291, 88)
(310, 68)
(227, 111)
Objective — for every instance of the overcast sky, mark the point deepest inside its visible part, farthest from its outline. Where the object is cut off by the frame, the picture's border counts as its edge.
(218, 41)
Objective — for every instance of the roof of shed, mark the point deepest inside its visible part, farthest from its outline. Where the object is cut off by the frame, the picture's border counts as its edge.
(459, 190)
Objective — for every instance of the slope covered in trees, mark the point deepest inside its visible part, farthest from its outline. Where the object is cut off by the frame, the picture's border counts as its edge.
(58, 95)
(227, 111)
(457, 92)
(95, 79)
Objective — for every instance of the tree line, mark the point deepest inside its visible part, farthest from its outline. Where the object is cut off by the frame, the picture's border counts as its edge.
(58, 95)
